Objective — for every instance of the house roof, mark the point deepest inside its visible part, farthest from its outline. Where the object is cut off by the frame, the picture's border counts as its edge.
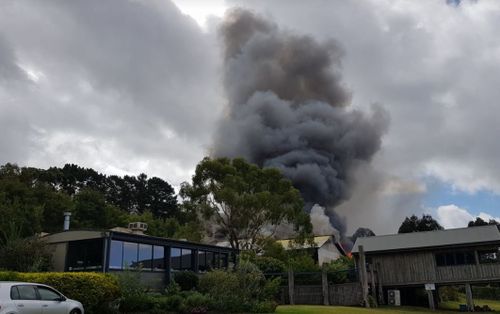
(428, 239)
(318, 242)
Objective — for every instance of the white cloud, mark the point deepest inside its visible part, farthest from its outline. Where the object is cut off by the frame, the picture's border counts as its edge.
(452, 216)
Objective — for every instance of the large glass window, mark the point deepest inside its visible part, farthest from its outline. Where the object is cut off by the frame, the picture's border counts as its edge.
(202, 262)
(159, 258)
(187, 259)
(85, 255)
(130, 254)
(145, 256)
(175, 258)
(116, 255)
(210, 260)
(181, 259)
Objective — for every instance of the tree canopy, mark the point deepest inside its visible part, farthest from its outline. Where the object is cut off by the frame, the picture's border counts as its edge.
(480, 222)
(244, 201)
(415, 224)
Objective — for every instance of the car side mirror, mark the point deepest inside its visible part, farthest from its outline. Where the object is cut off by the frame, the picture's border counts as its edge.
(60, 299)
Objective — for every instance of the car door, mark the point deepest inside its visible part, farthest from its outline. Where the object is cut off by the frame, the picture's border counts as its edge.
(51, 301)
(26, 299)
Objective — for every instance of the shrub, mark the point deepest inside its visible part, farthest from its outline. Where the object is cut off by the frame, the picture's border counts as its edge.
(24, 255)
(172, 303)
(238, 291)
(95, 291)
(137, 303)
(186, 280)
(270, 265)
(264, 307)
(449, 293)
(198, 303)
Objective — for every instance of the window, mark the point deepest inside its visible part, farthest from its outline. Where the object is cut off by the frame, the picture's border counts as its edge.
(14, 293)
(489, 256)
(159, 258)
(27, 293)
(85, 255)
(181, 259)
(223, 260)
(130, 254)
(47, 294)
(145, 256)
(175, 258)
(186, 260)
(210, 260)
(116, 255)
(202, 262)
(455, 258)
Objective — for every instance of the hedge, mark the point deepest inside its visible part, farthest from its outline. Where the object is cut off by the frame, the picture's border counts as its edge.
(94, 290)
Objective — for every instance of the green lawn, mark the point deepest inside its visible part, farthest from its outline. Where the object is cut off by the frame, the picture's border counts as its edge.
(313, 309)
(453, 305)
(446, 307)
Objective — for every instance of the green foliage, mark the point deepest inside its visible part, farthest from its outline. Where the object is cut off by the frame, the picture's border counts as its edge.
(242, 198)
(187, 280)
(415, 224)
(95, 291)
(24, 255)
(269, 264)
(303, 262)
(246, 284)
(488, 292)
(273, 249)
(481, 222)
(449, 293)
(338, 271)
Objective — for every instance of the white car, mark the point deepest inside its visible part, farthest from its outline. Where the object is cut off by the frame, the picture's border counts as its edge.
(33, 298)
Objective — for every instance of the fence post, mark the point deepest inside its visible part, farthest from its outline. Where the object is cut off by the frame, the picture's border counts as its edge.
(291, 286)
(374, 287)
(324, 282)
(363, 275)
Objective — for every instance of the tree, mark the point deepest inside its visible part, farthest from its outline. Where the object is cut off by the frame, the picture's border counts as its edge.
(480, 222)
(362, 233)
(243, 199)
(415, 224)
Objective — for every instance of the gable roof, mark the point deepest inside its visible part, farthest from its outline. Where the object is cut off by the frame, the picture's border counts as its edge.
(428, 239)
(318, 242)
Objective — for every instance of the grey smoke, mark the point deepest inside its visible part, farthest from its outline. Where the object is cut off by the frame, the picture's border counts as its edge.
(287, 108)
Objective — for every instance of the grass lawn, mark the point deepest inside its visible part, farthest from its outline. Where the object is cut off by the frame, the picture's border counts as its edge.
(453, 305)
(316, 309)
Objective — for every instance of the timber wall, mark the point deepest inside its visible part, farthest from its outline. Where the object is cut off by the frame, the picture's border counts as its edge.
(420, 267)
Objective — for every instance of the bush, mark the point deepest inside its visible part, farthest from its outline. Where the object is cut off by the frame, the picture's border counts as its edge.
(187, 280)
(172, 303)
(238, 291)
(24, 255)
(137, 303)
(270, 265)
(449, 293)
(95, 291)
(264, 307)
(488, 292)
(198, 303)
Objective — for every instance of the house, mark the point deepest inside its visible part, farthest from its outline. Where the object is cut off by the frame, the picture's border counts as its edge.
(324, 249)
(411, 261)
(120, 249)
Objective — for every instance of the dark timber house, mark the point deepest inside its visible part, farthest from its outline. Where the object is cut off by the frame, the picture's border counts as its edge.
(120, 249)
(406, 262)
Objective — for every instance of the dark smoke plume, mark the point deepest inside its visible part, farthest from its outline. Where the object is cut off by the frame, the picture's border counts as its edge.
(287, 108)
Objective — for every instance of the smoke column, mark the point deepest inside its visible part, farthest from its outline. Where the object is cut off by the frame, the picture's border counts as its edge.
(287, 108)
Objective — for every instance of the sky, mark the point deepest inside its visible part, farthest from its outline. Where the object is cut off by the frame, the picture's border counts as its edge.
(136, 86)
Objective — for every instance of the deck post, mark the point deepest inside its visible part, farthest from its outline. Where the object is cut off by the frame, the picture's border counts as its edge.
(291, 287)
(468, 297)
(324, 282)
(363, 275)
(380, 288)
(430, 296)
(374, 287)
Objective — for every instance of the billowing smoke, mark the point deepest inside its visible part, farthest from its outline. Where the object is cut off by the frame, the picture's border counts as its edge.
(287, 108)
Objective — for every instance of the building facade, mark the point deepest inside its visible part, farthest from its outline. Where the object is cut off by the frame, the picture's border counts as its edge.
(116, 251)
(464, 256)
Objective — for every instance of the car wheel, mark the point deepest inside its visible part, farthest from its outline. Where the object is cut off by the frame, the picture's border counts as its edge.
(75, 311)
